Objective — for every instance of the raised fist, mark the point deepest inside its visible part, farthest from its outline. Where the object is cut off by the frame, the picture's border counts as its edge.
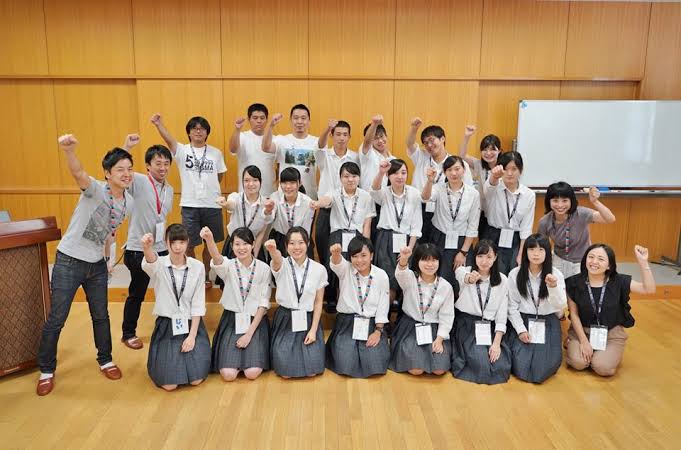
(206, 234)
(276, 119)
(238, 123)
(147, 240)
(156, 119)
(469, 130)
(416, 122)
(68, 142)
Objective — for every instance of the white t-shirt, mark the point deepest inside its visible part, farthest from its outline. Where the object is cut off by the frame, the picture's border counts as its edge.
(250, 153)
(199, 169)
(422, 159)
(329, 164)
(299, 153)
(368, 164)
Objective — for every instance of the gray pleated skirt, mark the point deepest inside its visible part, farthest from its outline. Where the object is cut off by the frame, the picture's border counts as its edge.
(290, 356)
(405, 354)
(536, 363)
(346, 356)
(384, 256)
(470, 362)
(446, 269)
(226, 355)
(166, 364)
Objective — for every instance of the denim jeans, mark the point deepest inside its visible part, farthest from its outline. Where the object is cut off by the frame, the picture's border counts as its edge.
(139, 282)
(67, 276)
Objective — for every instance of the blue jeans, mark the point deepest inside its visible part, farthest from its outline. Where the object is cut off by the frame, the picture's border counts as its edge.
(67, 276)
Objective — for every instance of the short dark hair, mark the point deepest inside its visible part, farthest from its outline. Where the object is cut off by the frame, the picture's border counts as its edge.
(289, 174)
(198, 120)
(534, 241)
(297, 229)
(350, 167)
(482, 248)
(160, 150)
(612, 262)
(451, 160)
(341, 124)
(356, 245)
(560, 189)
(176, 232)
(487, 141)
(505, 158)
(255, 107)
(113, 156)
(243, 233)
(303, 107)
(432, 130)
(380, 129)
(424, 251)
(253, 171)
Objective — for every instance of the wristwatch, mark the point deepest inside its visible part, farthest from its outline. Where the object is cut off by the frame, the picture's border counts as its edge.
(379, 329)
(463, 252)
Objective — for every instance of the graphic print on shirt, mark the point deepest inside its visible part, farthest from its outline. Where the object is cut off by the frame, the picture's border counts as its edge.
(204, 165)
(98, 227)
(299, 157)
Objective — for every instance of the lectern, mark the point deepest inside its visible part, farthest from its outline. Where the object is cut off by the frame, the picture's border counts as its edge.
(24, 290)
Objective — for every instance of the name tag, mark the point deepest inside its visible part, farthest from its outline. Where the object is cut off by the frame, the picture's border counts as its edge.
(430, 206)
(424, 334)
(160, 232)
(242, 321)
(298, 320)
(347, 237)
(452, 241)
(537, 330)
(360, 328)
(399, 242)
(483, 332)
(506, 238)
(598, 337)
(180, 325)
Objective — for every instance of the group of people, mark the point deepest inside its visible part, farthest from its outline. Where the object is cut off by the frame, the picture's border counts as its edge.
(481, 310)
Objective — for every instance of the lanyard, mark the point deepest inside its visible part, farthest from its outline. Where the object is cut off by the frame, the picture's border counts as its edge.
(203, 158)
(363, 298)
(247, 290)
(440, 171)
(508, 208)
(184, 283)
(489, 292)
(597, 310)
(159, 203)
(534, 302)
(568, 241)
(112, 210)
(400, 215)
(243, 211)
(422, 308)
(354, 208)
(290, 213)
(453, 213)
(299, 292)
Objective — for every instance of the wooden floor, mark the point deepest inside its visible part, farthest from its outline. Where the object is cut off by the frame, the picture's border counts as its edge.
(638, 408)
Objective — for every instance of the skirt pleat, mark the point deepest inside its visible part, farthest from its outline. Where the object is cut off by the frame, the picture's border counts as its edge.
(346, 356)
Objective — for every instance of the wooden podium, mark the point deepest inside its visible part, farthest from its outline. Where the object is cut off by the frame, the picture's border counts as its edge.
(24, 290)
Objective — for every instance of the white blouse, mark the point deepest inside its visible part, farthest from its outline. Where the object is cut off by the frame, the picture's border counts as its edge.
(350, 212)
(257, 290)
(286, 291)
(192, 299)
(496, 308)
(256, 220)
(409, 204)
(376, 300)
(501, 201)
(300, 212)
(446, 202)
(555, 303)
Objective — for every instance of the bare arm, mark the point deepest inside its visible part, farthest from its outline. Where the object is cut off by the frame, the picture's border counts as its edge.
(603, 213)
(215, 254)
(463, 147)
(366, 228)
(371, 133)
(647, 286)
(170, 141)
(411, 136)
(68, 144)
(324, 137)
(235, 138)
(275, 254)
(268, 145)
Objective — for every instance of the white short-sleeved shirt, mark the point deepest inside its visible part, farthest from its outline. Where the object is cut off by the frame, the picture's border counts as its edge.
(555, 303)
(392, 205)
(329, 164)
(377, 303)
(299, 153)
(256, 220)
(199, 166)
(368, 164)
(286, 291)
(446, 201)
(300, 213)
(422, 160)
(250, 153)
(260, 291)
(350, 212)
(496, 308)
(498, 198)
(192, 300)
(441, 310)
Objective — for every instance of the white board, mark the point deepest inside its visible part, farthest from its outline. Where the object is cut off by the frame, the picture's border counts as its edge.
(602, 143)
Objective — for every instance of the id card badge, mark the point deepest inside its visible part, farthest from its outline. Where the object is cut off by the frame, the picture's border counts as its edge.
(506, 238)
(160, 232)
(537, 331)
(298, 320)
(483, 332)
(424, 334)
(598, 337)
(180, 325)
(242, 321)
(430, 206)
(360, 328)
(399, 242)
(452, 240)
(347, 237)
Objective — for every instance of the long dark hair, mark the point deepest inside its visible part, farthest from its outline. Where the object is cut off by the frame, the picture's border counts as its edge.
(482, 248)
(534, 241)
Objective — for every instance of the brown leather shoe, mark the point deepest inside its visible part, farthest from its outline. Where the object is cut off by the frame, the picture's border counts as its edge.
(45, 386)
(112, 373)
(134, 343)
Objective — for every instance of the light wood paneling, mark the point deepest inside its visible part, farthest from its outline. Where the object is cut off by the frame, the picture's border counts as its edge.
(31, 206)
(498, 105)
(177, 101)
(438, 38)
(22, 38)
(523, 38)
(607, 39)
(655, 223)
(29, 152)
(264, 38)
(89, 38)
(352, 38)
(598, 90)
(663, 59)
(177, 38)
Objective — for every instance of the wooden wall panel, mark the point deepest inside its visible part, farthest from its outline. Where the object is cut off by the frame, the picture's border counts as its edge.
(663, 59)
(99, 113)
(22, 38)
(264, 38)
(177, 38)
(177, 101)
(607, 40)
(498, 105)
(523, 38)
(598, 90)
(30, 157)
(31, 206)
(438, 38)
(352, 38)
(89, 38)
(655, 223)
